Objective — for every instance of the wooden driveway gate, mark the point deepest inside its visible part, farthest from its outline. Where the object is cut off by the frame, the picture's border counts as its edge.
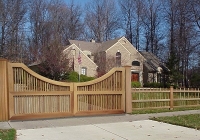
(26, 95)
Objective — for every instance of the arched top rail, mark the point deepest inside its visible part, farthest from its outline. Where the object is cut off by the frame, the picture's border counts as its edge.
(111, 81)
(27, 80)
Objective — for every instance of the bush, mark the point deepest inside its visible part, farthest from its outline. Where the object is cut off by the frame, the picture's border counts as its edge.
(74, 77)
(154, 85)
(135, 84)
(158, 85)
(84, 78)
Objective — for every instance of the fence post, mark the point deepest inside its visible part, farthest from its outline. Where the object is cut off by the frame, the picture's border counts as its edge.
(3, 90)
(128, 95)
(171, 98)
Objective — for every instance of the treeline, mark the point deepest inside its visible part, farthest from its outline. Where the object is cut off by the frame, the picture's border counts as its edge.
(38, 30)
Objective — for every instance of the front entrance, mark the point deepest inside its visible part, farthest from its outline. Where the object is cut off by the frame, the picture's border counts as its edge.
(134, 77)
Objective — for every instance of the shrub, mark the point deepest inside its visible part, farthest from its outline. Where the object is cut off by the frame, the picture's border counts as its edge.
(153, 85)
(74, 77)
(158, 85)
(84, 78)
(135, 84)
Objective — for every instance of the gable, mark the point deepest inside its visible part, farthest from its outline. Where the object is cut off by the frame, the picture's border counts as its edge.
(108, 44)
(83, 55)
(118, 46)
(131, 49)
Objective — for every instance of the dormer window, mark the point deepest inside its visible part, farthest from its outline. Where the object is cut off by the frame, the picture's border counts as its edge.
(135, 63)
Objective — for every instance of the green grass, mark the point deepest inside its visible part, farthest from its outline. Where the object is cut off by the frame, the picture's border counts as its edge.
(191, 121)
(148, 111)
(7, 134)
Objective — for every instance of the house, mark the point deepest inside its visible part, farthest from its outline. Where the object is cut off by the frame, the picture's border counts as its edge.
(154, 70)
(92, 58)
(103, 56)
(83, 51)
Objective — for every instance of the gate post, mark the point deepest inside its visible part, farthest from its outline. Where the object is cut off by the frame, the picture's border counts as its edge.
(171, 96)
(3, 90)
(128, 96)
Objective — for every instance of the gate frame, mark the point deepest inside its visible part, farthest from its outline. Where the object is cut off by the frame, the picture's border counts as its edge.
(6, 97)
(4, 102)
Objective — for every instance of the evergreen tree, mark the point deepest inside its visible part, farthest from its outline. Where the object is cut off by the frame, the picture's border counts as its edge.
(174, 74)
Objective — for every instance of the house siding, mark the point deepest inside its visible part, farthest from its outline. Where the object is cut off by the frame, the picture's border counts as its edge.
(106, 59)
(128, 54)
(125, 55)
(85, 62)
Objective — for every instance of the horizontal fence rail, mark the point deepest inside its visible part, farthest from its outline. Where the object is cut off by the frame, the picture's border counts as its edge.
(154, 98)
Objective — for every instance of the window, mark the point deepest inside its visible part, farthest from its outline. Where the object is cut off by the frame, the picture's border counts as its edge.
(118, 59)
(84, 70)
(135, 63)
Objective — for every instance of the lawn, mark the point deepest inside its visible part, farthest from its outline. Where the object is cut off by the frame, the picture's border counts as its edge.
(148, 111)
(7, 134)
(191, 121)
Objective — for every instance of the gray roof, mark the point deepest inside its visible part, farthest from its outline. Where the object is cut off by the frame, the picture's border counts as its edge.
(84, 45)
(93, 46)
(152, 62)
(106, 45)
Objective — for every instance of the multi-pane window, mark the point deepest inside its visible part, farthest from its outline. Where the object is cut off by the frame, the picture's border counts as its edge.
(84, 70)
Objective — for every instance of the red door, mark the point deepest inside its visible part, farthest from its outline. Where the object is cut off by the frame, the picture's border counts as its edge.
(135, 77)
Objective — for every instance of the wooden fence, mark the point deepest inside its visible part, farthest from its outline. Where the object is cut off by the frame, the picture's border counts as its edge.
(26, 95)
(151, 98)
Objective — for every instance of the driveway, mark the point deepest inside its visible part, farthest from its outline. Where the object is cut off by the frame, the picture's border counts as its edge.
(111, 127)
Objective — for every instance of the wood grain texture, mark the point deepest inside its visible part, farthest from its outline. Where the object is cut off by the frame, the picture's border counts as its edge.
(162, 98)
(3, 90)
(32, 96)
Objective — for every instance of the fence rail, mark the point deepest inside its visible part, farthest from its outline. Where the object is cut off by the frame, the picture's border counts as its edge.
(158, 98)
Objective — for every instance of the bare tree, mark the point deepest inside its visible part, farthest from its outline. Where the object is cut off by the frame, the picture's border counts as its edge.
(12, 25)
(102, 19)
(55, 63)
(151, 20)
(127, 9)
(37, 18)
(48, 22)
(74, 24)
(182, 39)
(131, 15)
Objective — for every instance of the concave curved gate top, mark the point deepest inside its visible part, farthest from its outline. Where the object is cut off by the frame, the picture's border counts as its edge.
(26, 95)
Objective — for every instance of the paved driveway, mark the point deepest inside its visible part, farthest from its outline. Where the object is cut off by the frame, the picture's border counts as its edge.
(136, 130)
(112, 127)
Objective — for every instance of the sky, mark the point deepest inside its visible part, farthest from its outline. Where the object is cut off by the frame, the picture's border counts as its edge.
(81, 2)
